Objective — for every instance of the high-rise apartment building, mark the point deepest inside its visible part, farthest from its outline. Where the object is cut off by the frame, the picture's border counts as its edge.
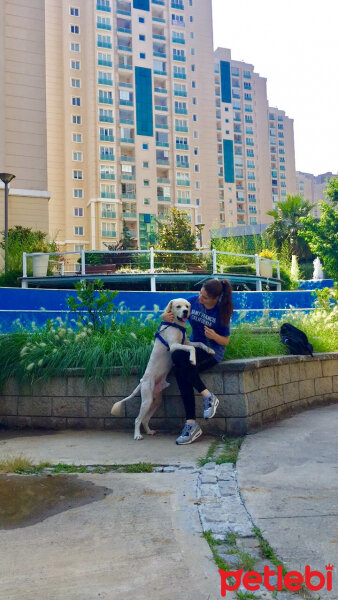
(23, 112)
(312, 188)
(255, 145)
(130, 129)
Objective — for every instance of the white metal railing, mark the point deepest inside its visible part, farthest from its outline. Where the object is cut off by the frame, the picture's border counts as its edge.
(64, 266)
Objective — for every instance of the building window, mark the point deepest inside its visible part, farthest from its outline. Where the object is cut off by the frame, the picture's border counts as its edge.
(145, 164)
(146, 182)
(76, 101)
(196, 168)
(75, 64)
(77, 193)
(77, 175)
(78, 230)
(74, 29)
(142, 38)
(76, 119)
(74, 12)
(76, 83)
(77, 138)
(77, 156)
(78, 212)
(146, 201)
(142, 55)
(141, 19)
(75, 47)
(145, 146)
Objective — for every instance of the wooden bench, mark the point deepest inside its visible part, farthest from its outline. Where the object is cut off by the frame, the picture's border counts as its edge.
(100, 269)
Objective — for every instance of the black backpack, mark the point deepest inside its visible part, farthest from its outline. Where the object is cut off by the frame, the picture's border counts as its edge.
(295, 339)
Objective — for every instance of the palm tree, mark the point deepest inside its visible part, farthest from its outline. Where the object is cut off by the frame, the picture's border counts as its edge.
(287, 223)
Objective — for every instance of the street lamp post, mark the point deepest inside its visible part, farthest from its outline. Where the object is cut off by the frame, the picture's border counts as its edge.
(6, 178)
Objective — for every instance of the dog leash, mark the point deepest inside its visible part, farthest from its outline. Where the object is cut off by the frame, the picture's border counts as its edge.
(159, 337)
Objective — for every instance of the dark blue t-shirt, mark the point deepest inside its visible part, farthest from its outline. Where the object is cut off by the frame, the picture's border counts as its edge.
(201, 316)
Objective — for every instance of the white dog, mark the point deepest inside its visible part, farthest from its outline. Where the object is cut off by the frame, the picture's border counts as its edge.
(169, 337)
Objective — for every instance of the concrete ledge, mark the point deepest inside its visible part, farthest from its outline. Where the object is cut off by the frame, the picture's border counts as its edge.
(252, 392)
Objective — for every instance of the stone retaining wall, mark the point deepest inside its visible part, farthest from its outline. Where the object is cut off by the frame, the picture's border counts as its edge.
(252, 393)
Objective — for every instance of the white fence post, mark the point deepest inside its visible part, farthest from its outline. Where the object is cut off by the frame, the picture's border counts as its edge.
(83, 262)
(152, 270)
(214, 261)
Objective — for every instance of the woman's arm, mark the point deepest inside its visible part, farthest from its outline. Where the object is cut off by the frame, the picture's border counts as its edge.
(222, 340)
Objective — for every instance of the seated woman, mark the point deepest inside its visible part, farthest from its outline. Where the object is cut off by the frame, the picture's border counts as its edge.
(210, 321)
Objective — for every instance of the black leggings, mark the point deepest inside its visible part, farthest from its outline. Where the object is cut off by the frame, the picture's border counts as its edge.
(187, 376)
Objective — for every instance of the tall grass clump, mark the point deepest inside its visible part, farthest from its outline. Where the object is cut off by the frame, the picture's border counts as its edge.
(246, 343)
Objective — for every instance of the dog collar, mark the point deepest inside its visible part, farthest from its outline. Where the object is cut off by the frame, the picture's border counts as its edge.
(159, 337)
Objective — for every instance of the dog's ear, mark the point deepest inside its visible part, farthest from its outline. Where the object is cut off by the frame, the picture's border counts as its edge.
(169, 307)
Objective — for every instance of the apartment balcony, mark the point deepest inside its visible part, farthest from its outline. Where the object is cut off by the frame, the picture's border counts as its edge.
(127, 140)
(181, 146)
(127, 121)
(160, 2)
(104, 44)
(161, 126)
(240, 210)
(128, 196)
(125, 66)
(108, 234)
(107, 195)
(162, 108)
(125, 84)
(183, 129)
(162, 144)
(177, 5)
(104, 63)
(160, 54)
(106, 138)
(103, 100)
(179, 58)
(177, 40)
(129, 215)
(108, 214)
(164, 73)
(181, 111)
(126, 13)
(163, 180)
(182, 165)
(160, 90)
(105, 26)
(158, 20)
(163, 199)
(106, 119)
(110, 157)
(162, 161)
(124, 48)
(127, 177)
(183, 182)
(183, 201)
(125, 158)
(100, 6)
(182, 94)
(124, 30)
(126, 102)
(110, 176)
(159, 37)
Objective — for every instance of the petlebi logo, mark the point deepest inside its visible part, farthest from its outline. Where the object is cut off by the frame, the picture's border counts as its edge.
(292, 581)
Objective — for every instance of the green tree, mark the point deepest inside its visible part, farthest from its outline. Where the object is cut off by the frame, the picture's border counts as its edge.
(175, 233)
(93, 304)
(322, 234)
(288, 223)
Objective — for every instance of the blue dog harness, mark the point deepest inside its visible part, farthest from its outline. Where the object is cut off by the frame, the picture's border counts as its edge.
(159, 337)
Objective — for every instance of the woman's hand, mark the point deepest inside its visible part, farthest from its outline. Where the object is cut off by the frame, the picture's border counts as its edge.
(168, 317)
(210, 333)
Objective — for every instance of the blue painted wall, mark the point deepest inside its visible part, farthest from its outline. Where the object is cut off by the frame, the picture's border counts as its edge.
(144, 102)
(225, 81)
(228, 159)
(40, 305)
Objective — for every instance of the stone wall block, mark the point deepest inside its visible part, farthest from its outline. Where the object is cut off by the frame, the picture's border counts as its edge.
(291, 392)
(11, 387)
(282, 374)
(236, 426)
(56, 386)
(335, 383)
(254, 422)
(213, 382)
(330, 367)
(257, 401)
(117, 424)
(49, 423)
(231, 383)
(84, 423)
(323, 385)
(101, 407)
(166, 425)
(16, 422)
(35, 407)
(120, 386)
(232, 405)
(271, 414)
(275, 395)
(266, 377)
(78, 386)
(174, 408)
(69, 407)
(8, 405)
(216, 424)
(313, 369)
(250, 381)
(297, 371)
(306, 388)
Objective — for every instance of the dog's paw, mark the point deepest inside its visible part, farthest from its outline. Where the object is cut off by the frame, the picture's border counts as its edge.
(151, 432)
(193, 361)
(138, 436)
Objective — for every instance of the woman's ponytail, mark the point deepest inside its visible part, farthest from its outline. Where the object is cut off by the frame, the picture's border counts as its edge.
(222, 289)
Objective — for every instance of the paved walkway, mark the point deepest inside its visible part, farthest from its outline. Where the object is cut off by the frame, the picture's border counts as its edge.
(117, 536)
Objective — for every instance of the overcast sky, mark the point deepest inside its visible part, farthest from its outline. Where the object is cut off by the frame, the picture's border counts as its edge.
(294, 44)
